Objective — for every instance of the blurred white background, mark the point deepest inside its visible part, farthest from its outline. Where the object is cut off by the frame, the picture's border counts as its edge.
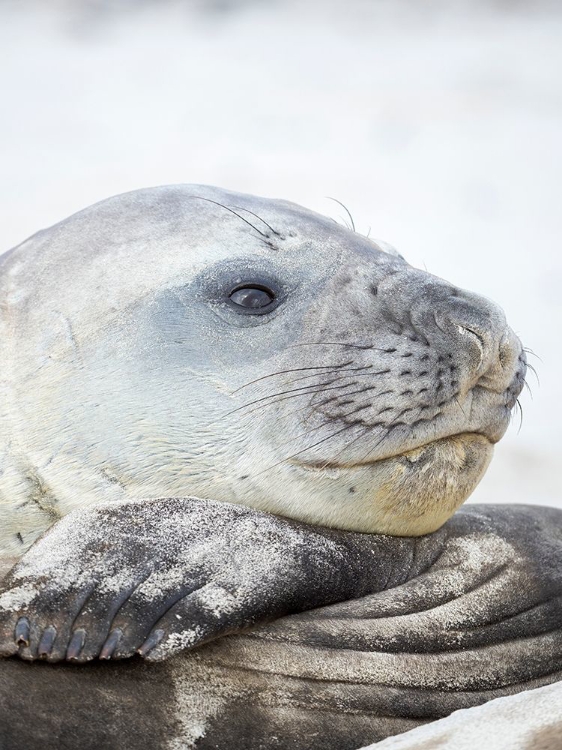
(439, 124)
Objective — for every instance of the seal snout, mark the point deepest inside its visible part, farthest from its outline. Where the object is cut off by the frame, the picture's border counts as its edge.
(493, 354)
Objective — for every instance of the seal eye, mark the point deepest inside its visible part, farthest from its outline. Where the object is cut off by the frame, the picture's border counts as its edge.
(252, 297)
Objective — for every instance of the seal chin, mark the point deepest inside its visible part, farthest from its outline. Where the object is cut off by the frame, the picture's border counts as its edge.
(411, 493)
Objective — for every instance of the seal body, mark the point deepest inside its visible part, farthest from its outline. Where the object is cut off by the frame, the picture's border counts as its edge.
(462, 616)
(187, 340)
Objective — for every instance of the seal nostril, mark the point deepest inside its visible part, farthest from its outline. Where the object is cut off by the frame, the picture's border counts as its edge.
(475, 336)
(506, 353)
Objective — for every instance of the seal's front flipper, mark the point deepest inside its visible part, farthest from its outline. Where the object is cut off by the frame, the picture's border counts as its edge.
(156, 577)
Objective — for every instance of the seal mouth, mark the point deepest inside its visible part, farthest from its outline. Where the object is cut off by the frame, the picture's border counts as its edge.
(412, 456)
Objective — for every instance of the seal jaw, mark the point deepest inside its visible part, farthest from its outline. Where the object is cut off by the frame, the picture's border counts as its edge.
(409, 494)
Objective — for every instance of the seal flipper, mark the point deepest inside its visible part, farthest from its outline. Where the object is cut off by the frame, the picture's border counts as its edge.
(179, 572)
(183, 572)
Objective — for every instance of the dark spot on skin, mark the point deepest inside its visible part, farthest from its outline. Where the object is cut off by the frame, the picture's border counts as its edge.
(19, 537)
(407, 393)
(406, 372)
(408, 354)
(423, 372)
(352, 489)
(422, 390)
(375, 290)
(441, 403)
(389, 351)
(244, 476)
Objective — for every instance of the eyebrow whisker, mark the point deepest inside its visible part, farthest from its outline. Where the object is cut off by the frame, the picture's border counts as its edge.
(227, 208)
(278, 234)
(345, 208)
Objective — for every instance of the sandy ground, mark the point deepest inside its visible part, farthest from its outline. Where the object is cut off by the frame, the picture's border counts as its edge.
(438, 124)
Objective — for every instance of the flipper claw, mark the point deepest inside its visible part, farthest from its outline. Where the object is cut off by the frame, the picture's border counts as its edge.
(111, 643)
(21, 632)
(46, 643)
(152, 641)
(76, 644)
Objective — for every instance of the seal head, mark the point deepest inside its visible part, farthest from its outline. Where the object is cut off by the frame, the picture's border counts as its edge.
(187, 340)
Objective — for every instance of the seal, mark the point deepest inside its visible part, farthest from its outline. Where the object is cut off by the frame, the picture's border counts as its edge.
(189, 341)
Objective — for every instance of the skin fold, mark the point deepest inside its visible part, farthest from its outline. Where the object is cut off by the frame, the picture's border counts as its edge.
(446, 621)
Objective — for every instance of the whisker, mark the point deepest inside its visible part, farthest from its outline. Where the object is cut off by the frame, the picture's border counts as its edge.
(329, 421)
(383, 437)
(370, 387)
(367, 429)
(329, 373)
(339, 343)
(280, 393)
(520, 416)
(226, 208)
(388, 432)
(295, 369)
(309, 447)
(294, 394)
(459, 405)
(345, 208)
(531, 352)
(239, 208)
(532, 369)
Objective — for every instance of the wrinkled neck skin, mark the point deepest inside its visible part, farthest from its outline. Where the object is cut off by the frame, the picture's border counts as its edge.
(368, 400)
